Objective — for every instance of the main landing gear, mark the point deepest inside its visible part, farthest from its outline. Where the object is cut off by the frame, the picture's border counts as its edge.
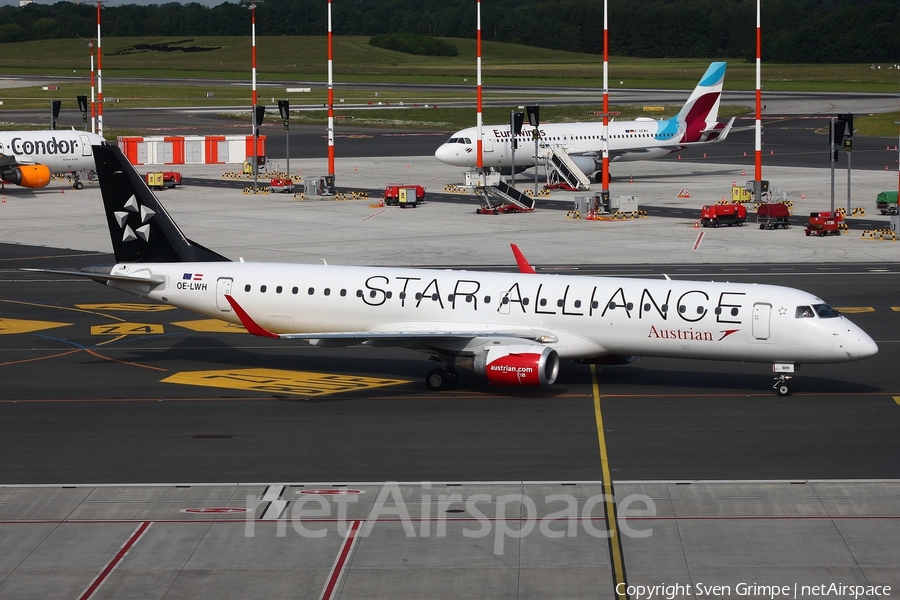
(784, 375)
(441, 379)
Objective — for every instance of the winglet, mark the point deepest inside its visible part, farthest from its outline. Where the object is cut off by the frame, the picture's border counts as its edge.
(524, 267)
(248, 323)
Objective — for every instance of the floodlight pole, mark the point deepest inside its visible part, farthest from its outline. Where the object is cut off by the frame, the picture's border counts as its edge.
(605, 165)
(252, 7)
(479, 146)
(831, 157)
(330, 97)
(757, 187)
(898, 164)
(93, 101)
(99, 75)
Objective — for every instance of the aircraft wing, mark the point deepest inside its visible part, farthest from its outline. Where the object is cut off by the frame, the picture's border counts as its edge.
(101, 277)
(400, 334)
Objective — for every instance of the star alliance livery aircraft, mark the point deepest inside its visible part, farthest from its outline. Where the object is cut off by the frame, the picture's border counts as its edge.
(641, 139)
(28, 158)
(511, 328)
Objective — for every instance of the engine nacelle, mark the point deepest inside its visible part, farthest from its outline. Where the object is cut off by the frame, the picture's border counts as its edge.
(520, 365)
(30, 176)
(587, 164)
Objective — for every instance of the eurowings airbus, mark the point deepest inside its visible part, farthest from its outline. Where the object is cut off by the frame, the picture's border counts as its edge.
(511, 328)
(640, 139)
(28, 158)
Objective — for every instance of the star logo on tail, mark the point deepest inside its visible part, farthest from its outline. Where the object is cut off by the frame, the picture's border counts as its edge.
(142, 231)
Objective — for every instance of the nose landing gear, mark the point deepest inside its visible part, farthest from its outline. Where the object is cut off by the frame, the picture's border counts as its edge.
(782, 380)
(782, 385)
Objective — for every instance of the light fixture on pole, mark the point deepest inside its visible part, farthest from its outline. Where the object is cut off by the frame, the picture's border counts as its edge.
(330, 99)
(604, 178)
(254, 114)
(284, 107)
(479, 146)
(99, 75)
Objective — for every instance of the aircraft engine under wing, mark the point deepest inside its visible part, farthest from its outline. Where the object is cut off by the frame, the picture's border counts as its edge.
(30, 176)
(587, 164)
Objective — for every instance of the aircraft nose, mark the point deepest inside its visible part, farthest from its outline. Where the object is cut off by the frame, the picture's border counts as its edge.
(867, 346)
(444, 153)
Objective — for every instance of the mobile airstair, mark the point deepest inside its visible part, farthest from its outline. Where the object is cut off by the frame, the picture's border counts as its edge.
(562, 172)
(502, 197)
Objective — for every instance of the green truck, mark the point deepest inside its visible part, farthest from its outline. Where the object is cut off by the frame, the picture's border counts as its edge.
(886, 202)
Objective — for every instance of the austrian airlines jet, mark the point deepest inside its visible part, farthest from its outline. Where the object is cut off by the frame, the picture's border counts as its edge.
(512, 328)
(641, 139)
(28, 158)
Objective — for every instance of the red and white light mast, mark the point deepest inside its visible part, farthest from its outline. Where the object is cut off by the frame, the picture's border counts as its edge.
(330, 98)
(479, 149)
(758, 174)
(99, 75)
(605, 165)
(93, 99)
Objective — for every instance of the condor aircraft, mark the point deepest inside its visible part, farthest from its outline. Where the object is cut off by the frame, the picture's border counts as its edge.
(27, 158)
(512, 328)
(641, 139)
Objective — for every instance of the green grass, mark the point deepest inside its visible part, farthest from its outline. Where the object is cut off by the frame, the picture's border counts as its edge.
(298, 59)
(877, 124)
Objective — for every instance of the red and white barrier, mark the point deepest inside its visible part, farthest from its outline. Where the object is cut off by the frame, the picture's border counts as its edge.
(190, 150)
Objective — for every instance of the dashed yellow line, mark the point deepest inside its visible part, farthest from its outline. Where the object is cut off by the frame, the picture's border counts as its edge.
(854, 309)
(897, 399)
(612, 521)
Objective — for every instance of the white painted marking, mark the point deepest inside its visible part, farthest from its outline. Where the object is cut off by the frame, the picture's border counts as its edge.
(276, 506)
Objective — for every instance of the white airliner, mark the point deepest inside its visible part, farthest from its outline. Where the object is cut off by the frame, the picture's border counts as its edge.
(28, 158)
(512, 328)
(640, 139)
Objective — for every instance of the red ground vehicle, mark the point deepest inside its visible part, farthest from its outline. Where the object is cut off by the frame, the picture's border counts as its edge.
(404, 195)
(824, 223)
(281, 184)
(723, 214)
(773, 216)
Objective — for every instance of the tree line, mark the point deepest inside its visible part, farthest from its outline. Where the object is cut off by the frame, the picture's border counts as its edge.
(804, 31)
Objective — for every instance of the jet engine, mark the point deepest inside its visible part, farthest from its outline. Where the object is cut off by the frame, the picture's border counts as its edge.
(587, 164)
(30, 176)
(519, 365)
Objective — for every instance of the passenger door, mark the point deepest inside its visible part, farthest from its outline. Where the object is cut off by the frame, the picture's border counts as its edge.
(762, 313)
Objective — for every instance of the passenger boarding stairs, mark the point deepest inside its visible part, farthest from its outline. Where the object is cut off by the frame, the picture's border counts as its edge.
(561, 169)
(501, 197)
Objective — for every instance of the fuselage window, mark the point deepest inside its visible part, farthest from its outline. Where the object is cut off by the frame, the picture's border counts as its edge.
(434, 297)
(628, 306)
(278, 290)
(311, 291)
(505, 300)
(612, 306)
(578, 304)
(327, 291)
(524, 301)
(682, 308)
(386, 295)
(359, 294)
(543, 302)
(343, 293)
(487, 299)
(559, 303)
(595, 304)
(450, 298)
(418, 296)
(734, 312)
(247, 288)
(262, 289)
(402, 295)
(372, 294)
(804, 312)
(295, 290)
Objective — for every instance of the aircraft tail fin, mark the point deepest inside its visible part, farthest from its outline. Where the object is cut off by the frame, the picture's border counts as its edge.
(140, 228)
(701, 110)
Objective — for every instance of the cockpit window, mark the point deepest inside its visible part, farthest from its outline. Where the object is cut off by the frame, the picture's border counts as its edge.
(825, 312)
(804, 312)
(465, 141)
(452, 140)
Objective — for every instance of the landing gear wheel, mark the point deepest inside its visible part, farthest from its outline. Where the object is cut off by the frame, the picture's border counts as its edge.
(78, 185)
(782, 385)
(440, 379)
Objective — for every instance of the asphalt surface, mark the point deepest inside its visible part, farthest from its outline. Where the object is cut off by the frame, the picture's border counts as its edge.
(83, 407)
